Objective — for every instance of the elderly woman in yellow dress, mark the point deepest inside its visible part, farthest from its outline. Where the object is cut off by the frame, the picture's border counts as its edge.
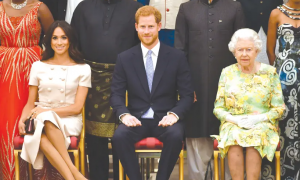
(248, 104)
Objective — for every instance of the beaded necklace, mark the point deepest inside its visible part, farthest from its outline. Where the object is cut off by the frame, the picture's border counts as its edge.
(288, 14)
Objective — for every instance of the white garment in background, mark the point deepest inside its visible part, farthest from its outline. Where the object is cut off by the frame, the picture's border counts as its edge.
(199, 151)
(71, 6)
(262, 56)
(169, 10)
(57, 87)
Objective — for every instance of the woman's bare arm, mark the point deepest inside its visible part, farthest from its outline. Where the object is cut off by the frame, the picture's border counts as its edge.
(271, 39)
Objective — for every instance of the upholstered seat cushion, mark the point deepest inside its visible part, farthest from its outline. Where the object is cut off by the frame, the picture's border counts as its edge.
(149, 143)
(19, 140)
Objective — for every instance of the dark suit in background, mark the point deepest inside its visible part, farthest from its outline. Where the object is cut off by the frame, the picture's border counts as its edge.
(172, 75)
(57, 8)
(257, 12)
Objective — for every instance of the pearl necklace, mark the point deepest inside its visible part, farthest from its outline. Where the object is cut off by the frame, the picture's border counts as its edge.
(18, 6)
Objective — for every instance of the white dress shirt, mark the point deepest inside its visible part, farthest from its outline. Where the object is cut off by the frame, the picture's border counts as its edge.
(169, 10)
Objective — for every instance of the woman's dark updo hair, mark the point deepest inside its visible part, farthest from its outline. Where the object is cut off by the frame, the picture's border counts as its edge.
(74, 53)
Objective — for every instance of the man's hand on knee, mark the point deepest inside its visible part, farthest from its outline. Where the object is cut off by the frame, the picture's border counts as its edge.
(168, 120)
(130, 121)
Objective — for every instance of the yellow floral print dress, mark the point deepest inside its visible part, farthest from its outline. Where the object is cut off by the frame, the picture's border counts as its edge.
(249, 94)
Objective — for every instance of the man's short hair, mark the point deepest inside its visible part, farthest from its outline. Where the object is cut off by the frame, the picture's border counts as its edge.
(148, 11)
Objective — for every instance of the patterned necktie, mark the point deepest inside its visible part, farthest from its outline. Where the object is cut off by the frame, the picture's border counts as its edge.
(150, 72)
(149, 69)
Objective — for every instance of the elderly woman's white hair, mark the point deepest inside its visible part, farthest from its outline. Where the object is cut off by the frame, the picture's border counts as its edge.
(245, 33)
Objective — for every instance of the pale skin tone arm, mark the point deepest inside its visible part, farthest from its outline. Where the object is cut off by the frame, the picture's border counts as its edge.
(271, 39)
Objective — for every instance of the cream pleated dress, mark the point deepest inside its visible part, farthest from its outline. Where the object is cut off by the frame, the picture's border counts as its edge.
(57, 87)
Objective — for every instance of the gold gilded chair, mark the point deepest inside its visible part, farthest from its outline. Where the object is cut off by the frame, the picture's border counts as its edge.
(216, 162)
(77, 147)
(151, 145)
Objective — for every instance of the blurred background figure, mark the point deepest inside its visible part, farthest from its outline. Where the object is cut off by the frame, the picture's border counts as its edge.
(105, 28)
(284, 26)
(21, 23)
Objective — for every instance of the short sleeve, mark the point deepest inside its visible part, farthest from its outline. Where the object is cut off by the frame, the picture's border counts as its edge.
(85, 78)
(33, 80)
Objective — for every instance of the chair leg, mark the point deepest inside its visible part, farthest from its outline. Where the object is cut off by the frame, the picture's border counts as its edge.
(143, 168)
(82, 160)
(76, 159)
(121, 171)
(216, 165)
(222, 168)
(17, 165)
(147, 168)
(30, 171)
(181, 165)
(277, 156)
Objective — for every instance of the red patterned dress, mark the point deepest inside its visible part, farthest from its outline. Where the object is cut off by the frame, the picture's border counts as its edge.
(19, 48)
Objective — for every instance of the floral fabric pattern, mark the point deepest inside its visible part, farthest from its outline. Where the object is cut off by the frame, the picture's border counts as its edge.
(249, 94)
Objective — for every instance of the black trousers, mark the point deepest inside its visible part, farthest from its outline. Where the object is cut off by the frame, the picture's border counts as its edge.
(125, 138)
(98, 152)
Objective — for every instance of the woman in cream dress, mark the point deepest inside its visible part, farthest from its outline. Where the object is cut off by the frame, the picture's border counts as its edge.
(60, 81)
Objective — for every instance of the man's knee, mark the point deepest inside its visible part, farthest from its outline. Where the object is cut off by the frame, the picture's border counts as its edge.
(121, 134)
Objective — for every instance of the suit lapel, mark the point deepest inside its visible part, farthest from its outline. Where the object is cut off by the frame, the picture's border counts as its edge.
(139, 66)
(162, 62)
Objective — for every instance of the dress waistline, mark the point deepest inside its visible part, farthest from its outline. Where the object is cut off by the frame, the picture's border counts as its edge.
(52, 105)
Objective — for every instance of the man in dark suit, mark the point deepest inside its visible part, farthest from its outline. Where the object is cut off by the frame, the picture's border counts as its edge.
(153, 74)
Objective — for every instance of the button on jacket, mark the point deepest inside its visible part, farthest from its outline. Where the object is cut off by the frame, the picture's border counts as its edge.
(203, 32)
(257, 12)
(169, 10)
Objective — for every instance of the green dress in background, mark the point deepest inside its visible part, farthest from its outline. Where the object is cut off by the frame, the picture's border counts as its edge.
(249, 94)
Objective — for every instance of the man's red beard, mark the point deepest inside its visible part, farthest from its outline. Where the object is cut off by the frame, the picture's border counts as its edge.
(148, 43)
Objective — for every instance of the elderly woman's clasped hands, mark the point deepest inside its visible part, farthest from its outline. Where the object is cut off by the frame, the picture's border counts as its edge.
(246, 121)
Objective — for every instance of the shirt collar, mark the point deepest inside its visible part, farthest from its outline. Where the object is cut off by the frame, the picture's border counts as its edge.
(154, 50)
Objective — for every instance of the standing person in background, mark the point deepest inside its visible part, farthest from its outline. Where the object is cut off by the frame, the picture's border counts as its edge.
(284, 26)
(257, 13)
(21, 23)
(105, 28)
(169, 10)
(71, 6)
(57, 8)
(203, 31)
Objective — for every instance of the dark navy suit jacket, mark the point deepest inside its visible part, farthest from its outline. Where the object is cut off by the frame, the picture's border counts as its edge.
(172, 76)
